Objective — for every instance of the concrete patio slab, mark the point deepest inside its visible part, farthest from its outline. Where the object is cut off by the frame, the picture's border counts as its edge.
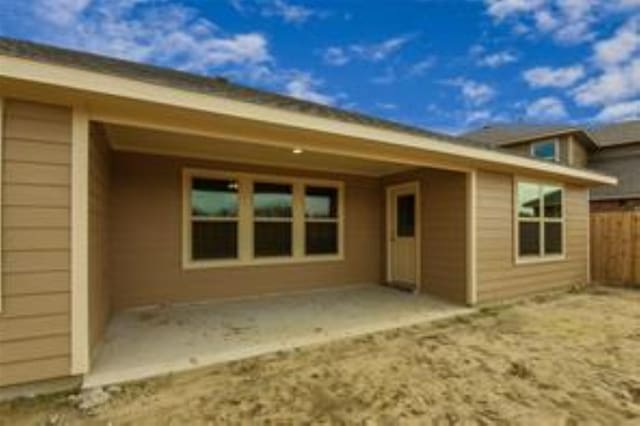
(153, 341)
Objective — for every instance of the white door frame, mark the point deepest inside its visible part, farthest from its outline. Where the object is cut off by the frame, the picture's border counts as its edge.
(415, 186)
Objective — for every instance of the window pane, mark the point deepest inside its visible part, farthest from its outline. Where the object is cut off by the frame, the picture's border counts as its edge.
(214, 197)
(553, 238)
(552, 201)
(272, 239)
(321, 238)
(321, 202)
(528, 200)
(529, 238)
(272, 200)
(545, 150)
(214, 240)
(405, 215)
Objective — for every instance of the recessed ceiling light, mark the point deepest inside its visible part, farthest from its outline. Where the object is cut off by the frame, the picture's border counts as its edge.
(297, 151)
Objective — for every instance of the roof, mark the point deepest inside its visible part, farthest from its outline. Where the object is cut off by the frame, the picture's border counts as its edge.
(120, 79)
(509, 134)
(622, 133)
(217, 86)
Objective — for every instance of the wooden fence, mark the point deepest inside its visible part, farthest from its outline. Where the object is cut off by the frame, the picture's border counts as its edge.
(615, 248)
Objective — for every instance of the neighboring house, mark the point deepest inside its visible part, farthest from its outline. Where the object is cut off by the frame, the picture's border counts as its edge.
(612, 149)
(125, 185)
(562, 144)
(618, 155)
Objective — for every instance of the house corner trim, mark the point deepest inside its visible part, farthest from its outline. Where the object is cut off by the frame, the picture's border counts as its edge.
(472, 272)
(79, 241)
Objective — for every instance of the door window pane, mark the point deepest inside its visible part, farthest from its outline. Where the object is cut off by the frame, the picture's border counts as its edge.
(214, 240)
(321, 238)
(528, 200)
(553, 238)
(214, 198)
(405, 215)
(272, 239)
(272, 200)
(529, 238)
(552, 202)
(321, 202)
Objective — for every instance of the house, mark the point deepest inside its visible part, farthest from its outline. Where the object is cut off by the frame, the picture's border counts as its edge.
(618, 155)
(612, 149)
(125, 185)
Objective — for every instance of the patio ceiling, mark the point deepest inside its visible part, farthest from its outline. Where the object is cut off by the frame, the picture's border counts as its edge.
(138, 139)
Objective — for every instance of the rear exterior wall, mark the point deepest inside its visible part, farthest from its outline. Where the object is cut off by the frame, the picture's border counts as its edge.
(146, 238)
(498, 275)
(36, 180)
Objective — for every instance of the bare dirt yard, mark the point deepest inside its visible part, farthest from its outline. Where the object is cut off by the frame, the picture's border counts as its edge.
(554, 360)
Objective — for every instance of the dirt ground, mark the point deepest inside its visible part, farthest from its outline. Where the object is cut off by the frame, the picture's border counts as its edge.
(555, 360)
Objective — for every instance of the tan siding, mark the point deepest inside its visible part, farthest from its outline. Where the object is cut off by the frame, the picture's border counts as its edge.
(443, 224)
(498, 275)
(146, 238)
(579, 154)
(34, 323)
(99, 272)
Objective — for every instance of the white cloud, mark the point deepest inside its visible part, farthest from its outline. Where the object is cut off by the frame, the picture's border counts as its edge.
(304, 86)
(387, 105)
(388, 77)
(567, 21)
(498, 59)
(620, 111)
(615, 84)
(288, 12)
(547, 109)
(474, 92)
(478, 116)
(165, 34)
(421, 67)
(621, 47)
(373, 52)
(61, 12)
(336, 56)
(553, 77)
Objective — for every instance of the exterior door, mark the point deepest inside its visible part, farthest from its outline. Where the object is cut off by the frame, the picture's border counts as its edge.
(403, 230)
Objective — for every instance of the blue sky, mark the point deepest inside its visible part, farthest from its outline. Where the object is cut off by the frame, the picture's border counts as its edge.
(445, 65)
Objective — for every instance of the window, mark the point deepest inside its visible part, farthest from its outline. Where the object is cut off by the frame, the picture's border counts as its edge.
(214, 219)
(546, 150)
(237, 218)
(273, 219)
(540, 220)
(321, 220)
(406, 220)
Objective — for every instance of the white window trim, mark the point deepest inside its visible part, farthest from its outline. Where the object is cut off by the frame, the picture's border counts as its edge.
(246, 220)
(556, 145)
(541, 257)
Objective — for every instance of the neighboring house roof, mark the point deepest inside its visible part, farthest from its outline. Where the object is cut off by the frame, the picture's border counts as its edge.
(619, 156)
(501, 135)
(622, 133)
(218, 86)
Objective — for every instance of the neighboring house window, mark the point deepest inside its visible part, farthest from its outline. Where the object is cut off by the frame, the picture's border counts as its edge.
(238, 218)
(546, 150)
(540, 220)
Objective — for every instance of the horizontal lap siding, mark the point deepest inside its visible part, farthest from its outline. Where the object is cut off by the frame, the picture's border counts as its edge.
(498, 275)
(35, 319)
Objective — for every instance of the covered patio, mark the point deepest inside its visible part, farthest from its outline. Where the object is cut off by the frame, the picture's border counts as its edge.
(162, 339)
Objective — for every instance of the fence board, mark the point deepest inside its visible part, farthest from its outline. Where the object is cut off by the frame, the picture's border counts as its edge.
(615, 247)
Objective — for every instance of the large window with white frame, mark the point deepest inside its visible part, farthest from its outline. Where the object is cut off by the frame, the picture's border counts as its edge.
(540, 221)
(546, 150)
(240, 218)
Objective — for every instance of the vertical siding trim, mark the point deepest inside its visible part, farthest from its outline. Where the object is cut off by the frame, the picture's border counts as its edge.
(588, 200)
(1, 189)
(80, 241)
(472, 271)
